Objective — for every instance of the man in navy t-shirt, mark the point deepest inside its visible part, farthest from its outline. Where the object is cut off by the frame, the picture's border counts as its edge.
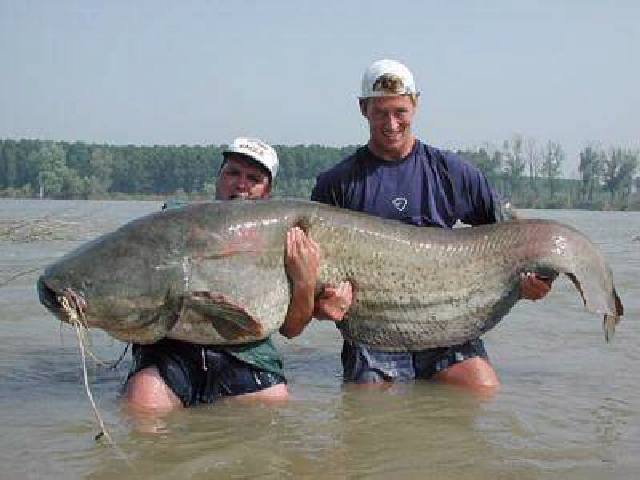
(398, 177)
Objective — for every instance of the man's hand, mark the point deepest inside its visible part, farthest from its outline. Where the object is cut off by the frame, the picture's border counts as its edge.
(302, 258)
(534, 287)
(333, 302)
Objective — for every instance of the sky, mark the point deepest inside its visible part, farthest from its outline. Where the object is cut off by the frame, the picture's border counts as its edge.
(155, 72)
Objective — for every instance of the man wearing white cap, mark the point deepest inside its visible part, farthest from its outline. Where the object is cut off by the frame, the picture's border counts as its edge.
(397, 176)
(171, 373)
(248, 170)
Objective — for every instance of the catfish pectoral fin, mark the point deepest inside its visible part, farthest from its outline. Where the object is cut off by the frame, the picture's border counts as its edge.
(229, 320)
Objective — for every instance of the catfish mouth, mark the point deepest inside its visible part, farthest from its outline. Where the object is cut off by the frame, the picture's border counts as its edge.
(67, 305)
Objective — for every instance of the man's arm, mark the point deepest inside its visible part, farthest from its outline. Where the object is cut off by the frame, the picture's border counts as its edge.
(302, 261)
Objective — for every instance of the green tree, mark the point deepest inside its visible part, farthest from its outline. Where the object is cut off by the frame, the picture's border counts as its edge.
(532, 154)
(101, 164)
(551, 167)
(10, 165)
(619, 167)
(591, 171)
(75, 186)
(50, 160)
(488, 164)
(79, 157)
(514, 165)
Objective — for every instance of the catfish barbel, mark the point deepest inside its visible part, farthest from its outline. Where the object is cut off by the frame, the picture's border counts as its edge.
(213, 273)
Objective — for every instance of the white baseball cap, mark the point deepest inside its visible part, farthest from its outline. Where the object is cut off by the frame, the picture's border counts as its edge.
(403, 85)
(257, 150)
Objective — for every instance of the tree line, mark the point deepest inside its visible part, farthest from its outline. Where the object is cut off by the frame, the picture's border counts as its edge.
(525, 172)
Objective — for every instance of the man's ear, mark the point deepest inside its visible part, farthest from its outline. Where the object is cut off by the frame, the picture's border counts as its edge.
(363, 106)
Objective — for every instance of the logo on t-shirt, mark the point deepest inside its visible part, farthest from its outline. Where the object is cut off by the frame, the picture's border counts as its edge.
(400, 203)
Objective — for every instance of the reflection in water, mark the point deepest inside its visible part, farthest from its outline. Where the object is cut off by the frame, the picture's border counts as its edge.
(609, 419)
(415, 432)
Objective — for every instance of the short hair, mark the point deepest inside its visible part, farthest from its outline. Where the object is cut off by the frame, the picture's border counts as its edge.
(412, 96)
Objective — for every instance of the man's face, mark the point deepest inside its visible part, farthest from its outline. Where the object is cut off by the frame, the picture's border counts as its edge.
(240, 178)
(390, 124)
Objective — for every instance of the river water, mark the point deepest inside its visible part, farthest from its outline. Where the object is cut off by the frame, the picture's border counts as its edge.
(568, 407)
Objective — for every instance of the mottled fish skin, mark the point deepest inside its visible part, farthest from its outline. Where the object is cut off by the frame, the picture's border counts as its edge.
(213, 273)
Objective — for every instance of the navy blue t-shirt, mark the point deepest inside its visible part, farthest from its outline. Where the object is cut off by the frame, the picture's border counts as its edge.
(429, 187)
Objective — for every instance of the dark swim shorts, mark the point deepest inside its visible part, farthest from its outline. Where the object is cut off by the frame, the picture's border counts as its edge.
(362, 364)
(200, 374)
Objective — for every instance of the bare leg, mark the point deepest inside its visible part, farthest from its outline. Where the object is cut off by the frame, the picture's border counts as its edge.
(475, 374)
(275, 395)
(146, 391)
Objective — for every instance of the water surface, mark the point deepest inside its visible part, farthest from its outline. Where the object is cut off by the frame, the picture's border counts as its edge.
(569, 405)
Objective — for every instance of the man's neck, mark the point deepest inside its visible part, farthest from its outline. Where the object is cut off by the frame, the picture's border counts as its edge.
(392, 155)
